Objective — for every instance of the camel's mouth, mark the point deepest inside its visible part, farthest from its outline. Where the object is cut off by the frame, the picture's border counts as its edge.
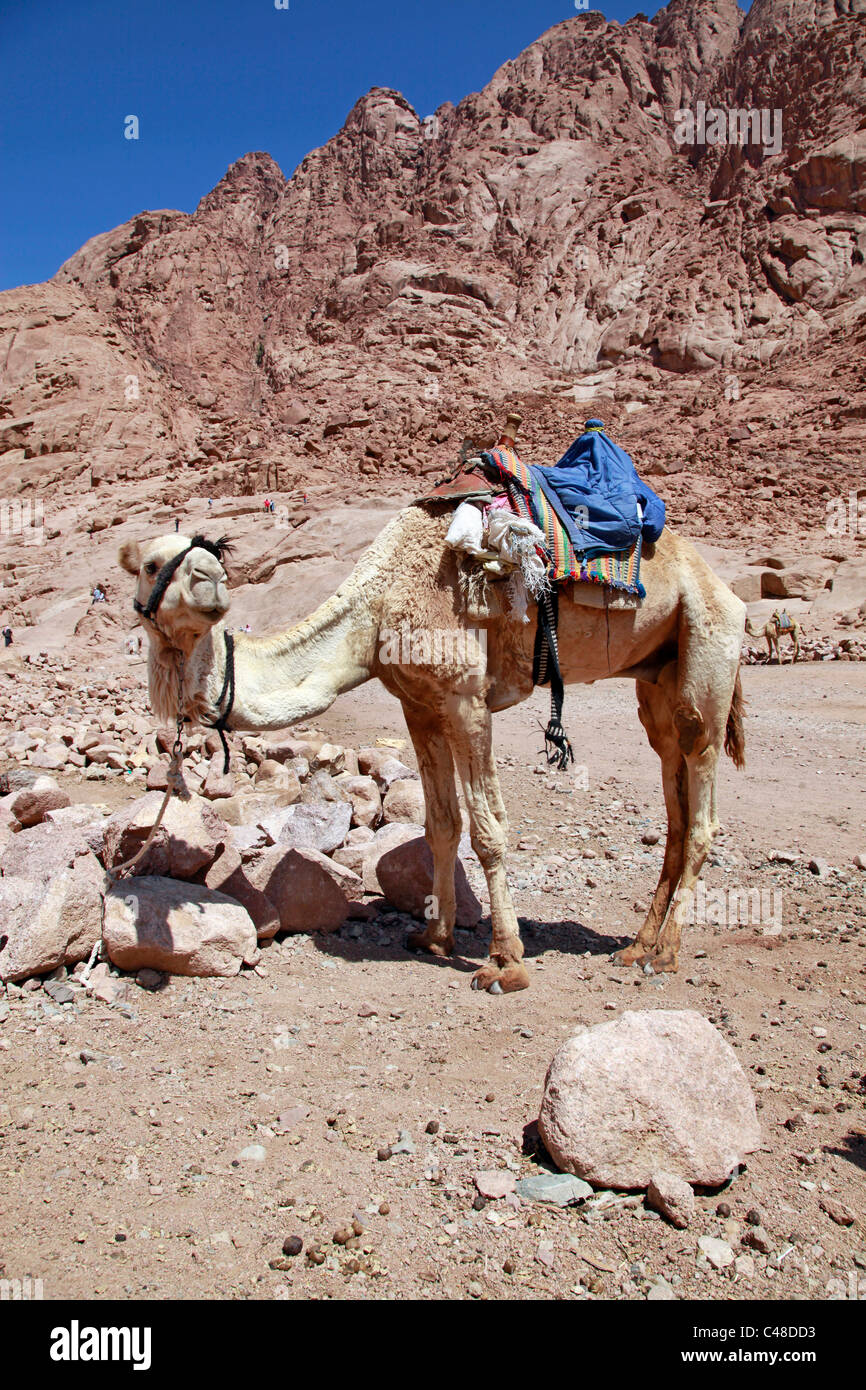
(208, 596)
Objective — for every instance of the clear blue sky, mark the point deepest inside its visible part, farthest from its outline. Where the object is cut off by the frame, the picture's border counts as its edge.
(210, 80)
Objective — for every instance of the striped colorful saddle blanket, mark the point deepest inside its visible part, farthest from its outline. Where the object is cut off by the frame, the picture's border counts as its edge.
(619, 570)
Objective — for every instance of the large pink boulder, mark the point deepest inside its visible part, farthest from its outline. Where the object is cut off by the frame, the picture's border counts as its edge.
(309, 891)
(655, 1091)
(405, 875)
(32, 804)
(228, 874)
(183, 928)
(187, 841)
(43, 850)
(46, 923)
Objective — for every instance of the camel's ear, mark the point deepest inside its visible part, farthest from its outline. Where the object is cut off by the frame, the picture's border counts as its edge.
(129, 556)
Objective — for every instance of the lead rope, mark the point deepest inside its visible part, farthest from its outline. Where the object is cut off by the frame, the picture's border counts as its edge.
(221, 723)
(173, 783)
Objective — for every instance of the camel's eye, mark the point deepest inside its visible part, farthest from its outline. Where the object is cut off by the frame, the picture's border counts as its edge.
(151, 568)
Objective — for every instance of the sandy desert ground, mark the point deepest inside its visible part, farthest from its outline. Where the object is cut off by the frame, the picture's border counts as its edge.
(123, 1130)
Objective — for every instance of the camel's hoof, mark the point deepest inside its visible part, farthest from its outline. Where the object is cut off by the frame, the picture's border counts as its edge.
(513, 977)
(501, 979)
(629, 955)
(648, 969)
(485, 977)
(420, 941)
(665, 962)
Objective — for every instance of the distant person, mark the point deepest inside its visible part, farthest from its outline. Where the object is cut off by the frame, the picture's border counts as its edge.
(7, 636)
(176, 524)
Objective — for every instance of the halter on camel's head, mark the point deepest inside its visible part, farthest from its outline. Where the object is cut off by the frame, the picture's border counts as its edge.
(181, 591)
(181, 596)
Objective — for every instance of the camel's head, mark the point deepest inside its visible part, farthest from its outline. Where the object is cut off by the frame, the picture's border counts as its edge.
(181, 585)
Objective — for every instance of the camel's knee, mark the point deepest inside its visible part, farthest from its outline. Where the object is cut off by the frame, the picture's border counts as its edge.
(491, 856)
(699, 844)
(488, 842)
(690, 727)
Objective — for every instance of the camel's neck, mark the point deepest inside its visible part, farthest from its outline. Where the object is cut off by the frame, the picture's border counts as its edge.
(297, 674)
(291, 676)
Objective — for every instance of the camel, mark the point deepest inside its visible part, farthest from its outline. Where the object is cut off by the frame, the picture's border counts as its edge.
(772, 631)
(681, 646)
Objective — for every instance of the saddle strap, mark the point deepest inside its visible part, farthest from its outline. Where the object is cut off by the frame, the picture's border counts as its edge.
(545, 666)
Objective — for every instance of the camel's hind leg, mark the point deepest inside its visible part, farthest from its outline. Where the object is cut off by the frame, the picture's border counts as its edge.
(710, 637)
(470, 726)
(702, 769)
(700, 723)
(656, 715)
(442, 827)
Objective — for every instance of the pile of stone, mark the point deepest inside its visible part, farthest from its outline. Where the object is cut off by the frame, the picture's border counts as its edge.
(304, 835)
(57, 719)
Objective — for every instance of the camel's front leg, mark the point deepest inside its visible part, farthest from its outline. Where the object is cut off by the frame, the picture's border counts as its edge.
(442, 827)
(472, 735)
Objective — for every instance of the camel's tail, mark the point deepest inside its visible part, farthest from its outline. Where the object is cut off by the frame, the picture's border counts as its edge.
(735, 737)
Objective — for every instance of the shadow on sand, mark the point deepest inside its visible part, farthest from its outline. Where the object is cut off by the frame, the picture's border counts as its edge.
(384, 938)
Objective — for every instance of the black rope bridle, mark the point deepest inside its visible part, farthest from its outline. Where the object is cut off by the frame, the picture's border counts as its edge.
(150, 609)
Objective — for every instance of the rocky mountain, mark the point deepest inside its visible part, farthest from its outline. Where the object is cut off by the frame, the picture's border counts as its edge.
(558, 241)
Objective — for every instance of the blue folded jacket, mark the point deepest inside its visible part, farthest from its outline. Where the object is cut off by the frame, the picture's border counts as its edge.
(596, 492)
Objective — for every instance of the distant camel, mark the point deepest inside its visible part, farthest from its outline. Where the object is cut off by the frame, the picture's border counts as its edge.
(773, 630)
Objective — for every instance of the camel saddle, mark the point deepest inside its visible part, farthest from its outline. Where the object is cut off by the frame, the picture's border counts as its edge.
(466, 485)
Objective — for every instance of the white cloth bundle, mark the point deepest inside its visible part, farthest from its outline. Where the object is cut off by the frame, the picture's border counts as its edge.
(516, 541)
(467, 530)
(509, 543)
(511, 535)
